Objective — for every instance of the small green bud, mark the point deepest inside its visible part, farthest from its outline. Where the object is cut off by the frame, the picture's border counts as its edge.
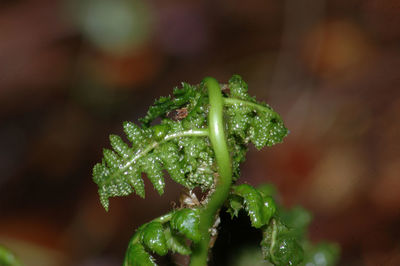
(187, 222)
(287, 251)
(153, 237)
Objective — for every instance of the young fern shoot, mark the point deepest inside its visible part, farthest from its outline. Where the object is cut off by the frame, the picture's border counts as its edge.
(201, 141)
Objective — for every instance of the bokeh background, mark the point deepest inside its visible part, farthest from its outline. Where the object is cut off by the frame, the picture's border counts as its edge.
(72, 71)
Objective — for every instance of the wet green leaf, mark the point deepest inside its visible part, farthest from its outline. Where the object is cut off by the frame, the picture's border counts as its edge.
(239, 89)
(280, 246)
(259, 209)
(176, 242)
(153, 238)
(186, 221)
(287, 251)
(137, 256)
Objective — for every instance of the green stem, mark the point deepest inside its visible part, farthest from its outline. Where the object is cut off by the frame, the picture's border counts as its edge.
(273, 240)
(223, 182)
(233, 101)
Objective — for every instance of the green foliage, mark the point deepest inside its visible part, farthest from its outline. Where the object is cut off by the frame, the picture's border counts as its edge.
(161, 235)
(137, 256)
(189, 161)
(186, 145)
(176, 242)
(239, 89)
(280, 246)
(260, 208)
(188, 95)
(187, 222)
(286, 251)
(285, 241)
(252, 121)
(153, 237)
(7, 258)
(284, 231)
(187, 157)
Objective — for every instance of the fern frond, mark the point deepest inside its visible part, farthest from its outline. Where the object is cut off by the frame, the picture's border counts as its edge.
(135, 134)
(201, 141)
(172, 160)
(239, 90)
(249, 121)
(120, 147)
(181, 97)
(179, 145)
(120, 173)
(151, 165)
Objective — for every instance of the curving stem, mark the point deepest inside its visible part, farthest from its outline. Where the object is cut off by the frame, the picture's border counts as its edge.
(223, 181)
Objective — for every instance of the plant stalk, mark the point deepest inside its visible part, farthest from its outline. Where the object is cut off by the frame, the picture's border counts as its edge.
(223, 181)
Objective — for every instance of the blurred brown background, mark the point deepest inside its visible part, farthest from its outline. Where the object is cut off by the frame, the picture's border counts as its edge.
(72, 71)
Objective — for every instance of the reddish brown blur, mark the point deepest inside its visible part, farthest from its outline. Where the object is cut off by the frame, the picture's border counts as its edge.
(330, 68)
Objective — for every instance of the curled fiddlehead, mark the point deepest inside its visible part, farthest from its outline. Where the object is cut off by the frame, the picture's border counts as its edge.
(182, 146)
(202, 139)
